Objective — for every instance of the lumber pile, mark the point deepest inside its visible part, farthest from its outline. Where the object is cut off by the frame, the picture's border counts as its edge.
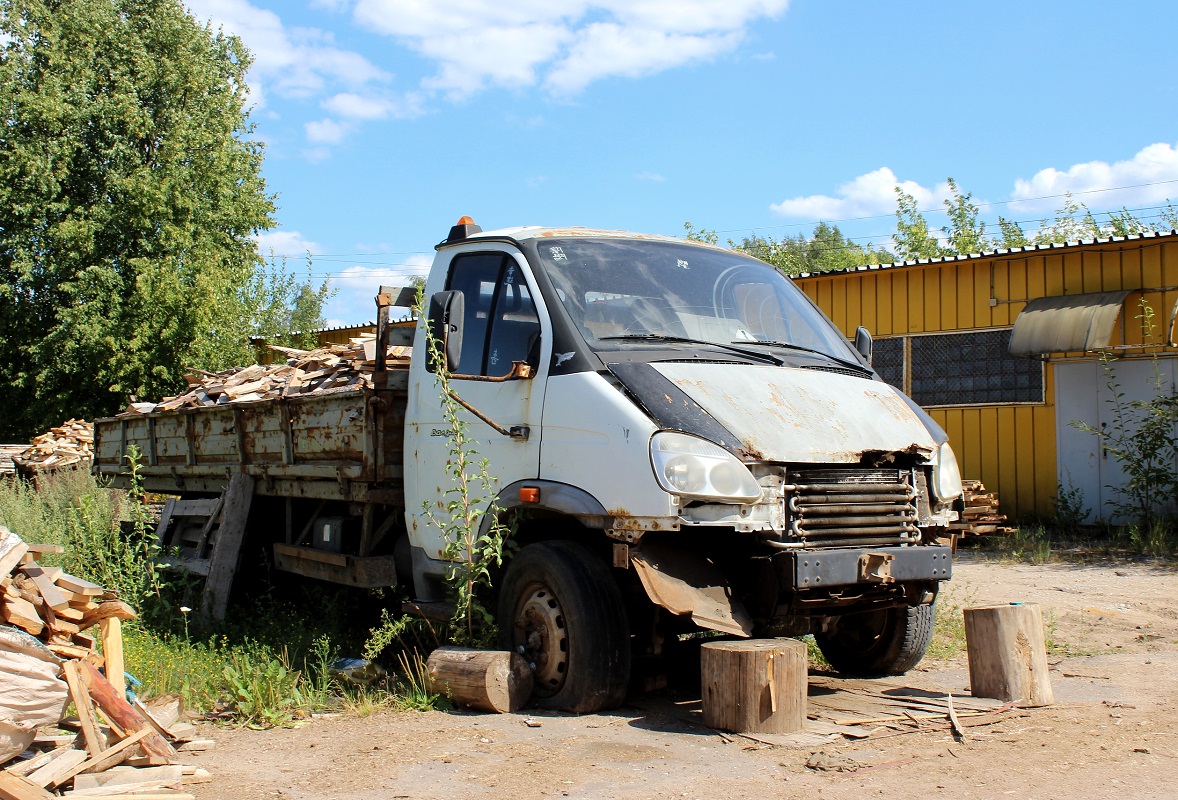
(981, 512)
(337, 367)
(50, 604)
(70, 443)
(7, 453)
(114, 746)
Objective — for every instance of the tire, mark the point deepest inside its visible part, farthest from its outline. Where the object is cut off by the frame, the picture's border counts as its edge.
(561, 608)
(873, 644)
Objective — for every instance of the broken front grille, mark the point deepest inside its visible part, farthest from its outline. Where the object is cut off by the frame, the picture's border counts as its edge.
(851, 507)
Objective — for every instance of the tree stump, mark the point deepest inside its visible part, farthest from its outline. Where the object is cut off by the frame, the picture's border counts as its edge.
(754, 685)
(489, 680)
(1007, 654)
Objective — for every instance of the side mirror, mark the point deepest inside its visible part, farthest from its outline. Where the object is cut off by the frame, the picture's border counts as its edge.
(445, 326)
(863, 343)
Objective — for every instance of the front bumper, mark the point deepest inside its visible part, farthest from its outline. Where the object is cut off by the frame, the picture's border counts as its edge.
(823, 569)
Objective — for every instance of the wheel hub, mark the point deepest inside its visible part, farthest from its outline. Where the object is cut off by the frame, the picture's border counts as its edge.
(541, 637)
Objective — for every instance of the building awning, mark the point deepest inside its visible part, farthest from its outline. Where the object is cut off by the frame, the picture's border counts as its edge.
(1066, 323)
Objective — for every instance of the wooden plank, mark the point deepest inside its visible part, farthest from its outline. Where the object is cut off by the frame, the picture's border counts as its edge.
(53, 596)
(16, 787)
(95, 743)
(78, 586)
(122, 714)
(112, 651)
(141, 789)
(58, 770)
(235, 511)
(107, 609)
(38, 549)
(208, 527)
(24, 768)
(12, 550)
(161, 530)
(169, 776)
(112, 756)
(22, 614)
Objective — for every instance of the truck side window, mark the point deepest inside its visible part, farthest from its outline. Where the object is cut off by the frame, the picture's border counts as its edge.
(500, 323)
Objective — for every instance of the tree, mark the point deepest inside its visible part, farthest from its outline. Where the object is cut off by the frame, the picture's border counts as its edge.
(912, 238)
(130, 193)
(825, 250)
(282, 310)
(965, 232)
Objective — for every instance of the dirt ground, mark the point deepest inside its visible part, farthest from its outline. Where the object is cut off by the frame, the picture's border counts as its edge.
(1113, 730)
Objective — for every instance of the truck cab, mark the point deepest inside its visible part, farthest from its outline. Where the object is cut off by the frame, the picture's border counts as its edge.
(684, 443)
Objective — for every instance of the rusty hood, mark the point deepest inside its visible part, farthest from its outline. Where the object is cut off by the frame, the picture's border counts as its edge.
(804, 415)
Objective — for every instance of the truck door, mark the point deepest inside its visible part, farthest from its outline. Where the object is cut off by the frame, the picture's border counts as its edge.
(503, 321)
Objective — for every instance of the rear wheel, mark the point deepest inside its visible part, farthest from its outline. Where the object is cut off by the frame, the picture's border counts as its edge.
(561, 608)
(871, 644)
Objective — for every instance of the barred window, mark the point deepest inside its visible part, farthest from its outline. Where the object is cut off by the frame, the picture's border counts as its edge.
(972, 368)
(887, 358)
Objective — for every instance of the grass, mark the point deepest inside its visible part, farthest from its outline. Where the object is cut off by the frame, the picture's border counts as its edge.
(268, 664)
(1038, 541)
(948, 640)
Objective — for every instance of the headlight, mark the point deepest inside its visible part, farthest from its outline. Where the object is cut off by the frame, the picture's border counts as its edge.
(693, 467)
(946, 475)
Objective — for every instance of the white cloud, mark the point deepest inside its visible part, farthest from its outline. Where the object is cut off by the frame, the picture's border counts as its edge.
(290, 62)
(367, 107)
(1154, 164)
(326, 131)
(563, 46)
(314, 154)
(871, 194)
(357, 287)
(285, 243)
(295, 61)
(650, 176)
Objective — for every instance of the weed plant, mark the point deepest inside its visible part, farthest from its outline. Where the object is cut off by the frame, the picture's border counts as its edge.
(948, 640)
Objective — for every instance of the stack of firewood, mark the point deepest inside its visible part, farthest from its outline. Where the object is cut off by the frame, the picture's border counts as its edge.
(114, 745)
(338, 367)
(70, 443)
(981, 512)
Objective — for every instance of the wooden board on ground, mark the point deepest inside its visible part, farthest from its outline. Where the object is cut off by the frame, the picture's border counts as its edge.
(15, 787)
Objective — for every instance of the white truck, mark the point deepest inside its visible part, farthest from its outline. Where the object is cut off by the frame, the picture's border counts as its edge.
(685, 440)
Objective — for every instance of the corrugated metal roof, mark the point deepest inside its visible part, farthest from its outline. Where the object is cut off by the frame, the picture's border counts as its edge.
(1001, 251)
(1066, 323)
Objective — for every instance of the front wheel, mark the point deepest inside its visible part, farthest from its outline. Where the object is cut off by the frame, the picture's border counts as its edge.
(872, 644)
(561, 608)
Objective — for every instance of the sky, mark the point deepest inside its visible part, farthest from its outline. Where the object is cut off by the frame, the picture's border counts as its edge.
(384, 121)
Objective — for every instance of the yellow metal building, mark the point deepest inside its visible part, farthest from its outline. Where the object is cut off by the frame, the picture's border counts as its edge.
(944, 330)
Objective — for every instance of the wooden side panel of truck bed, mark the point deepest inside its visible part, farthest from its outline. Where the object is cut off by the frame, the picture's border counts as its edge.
(336, 445)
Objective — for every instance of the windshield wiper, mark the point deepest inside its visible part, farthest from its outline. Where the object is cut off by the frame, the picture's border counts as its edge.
(662, 337)
(791, 346)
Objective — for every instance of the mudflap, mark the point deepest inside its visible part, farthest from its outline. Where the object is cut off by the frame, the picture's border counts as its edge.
(687, 583)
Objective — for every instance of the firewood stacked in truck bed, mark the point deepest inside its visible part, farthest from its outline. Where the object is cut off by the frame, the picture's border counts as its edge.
(70, 443)
(99, 753)
(336, 367)
(981, 512)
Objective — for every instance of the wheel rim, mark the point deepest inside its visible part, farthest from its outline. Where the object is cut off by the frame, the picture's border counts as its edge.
(541, 637)
(862, 633)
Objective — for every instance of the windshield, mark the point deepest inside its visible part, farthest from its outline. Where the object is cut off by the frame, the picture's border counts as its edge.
(621, 291)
